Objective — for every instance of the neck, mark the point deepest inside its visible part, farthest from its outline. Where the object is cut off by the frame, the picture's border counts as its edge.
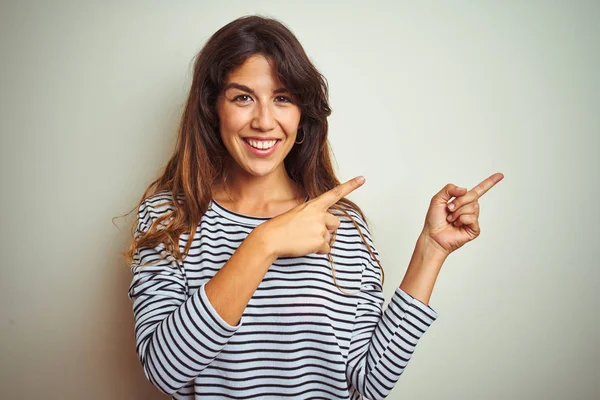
(240, 186)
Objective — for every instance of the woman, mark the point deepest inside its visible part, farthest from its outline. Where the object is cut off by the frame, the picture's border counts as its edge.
(278, 291)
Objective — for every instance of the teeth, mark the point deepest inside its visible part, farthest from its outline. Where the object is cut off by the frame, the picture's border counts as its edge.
(261, 144)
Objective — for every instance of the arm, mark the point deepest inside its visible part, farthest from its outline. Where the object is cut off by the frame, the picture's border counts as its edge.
(230, 290)
(424, 267)
(383, 342)
(177, 334)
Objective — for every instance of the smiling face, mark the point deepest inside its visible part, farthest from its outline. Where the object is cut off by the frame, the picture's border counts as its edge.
(257, 117)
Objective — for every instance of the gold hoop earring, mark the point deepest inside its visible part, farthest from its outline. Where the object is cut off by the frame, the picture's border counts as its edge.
(303, 136)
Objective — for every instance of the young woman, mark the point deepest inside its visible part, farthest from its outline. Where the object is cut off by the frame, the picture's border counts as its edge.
(253, 275)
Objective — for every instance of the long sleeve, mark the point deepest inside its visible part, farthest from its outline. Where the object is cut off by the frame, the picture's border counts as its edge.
(383, 342)
(177, 334)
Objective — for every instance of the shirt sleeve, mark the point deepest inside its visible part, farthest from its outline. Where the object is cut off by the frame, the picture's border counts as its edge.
(177, 334)
(383, 342)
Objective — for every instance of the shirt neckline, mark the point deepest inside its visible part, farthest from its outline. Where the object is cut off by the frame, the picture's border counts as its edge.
(249, 220)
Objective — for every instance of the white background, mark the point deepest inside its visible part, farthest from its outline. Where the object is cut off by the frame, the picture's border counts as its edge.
(423, 94)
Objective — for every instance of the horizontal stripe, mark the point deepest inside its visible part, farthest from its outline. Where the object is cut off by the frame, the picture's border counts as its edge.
(298, 337)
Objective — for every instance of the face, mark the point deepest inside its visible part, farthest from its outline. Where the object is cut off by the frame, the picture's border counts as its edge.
(257, 117)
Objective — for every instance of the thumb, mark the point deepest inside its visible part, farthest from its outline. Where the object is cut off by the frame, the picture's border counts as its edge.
(447, 192)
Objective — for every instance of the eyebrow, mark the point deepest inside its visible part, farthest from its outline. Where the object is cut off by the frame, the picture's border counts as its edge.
(245, 88)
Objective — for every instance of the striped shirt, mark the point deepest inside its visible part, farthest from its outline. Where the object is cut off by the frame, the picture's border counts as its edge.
(299, 336)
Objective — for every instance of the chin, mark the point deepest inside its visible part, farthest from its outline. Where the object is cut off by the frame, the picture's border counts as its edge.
(260, 170)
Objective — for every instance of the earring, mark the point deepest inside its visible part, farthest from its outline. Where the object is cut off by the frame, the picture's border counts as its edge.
(303, 135)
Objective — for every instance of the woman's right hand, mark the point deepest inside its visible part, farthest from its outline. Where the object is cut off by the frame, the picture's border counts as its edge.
(307, 227)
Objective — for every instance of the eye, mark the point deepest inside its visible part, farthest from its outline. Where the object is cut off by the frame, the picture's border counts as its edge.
(242, 98)
(283, 99)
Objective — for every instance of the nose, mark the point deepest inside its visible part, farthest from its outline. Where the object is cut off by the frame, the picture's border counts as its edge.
(263, 118)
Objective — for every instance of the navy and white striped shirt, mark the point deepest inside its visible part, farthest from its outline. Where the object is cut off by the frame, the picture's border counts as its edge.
(299, 336)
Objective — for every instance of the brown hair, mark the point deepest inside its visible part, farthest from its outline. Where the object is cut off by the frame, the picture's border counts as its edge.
(200, 158)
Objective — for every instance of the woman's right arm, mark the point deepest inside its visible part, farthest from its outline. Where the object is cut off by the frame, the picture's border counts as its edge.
(177, 334)
(232, 287)
(297, 232)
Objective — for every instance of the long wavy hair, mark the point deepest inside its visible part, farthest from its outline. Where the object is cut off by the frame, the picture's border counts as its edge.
(200, 158)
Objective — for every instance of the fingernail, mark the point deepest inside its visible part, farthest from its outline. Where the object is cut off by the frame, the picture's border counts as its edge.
(451, 206)
(360, 179)
(450, 217)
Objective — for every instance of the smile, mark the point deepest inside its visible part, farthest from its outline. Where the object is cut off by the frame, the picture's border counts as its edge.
(261, 144)
(261, 148)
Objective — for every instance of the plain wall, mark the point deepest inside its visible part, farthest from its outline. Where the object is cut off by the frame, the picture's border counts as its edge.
(423, 94)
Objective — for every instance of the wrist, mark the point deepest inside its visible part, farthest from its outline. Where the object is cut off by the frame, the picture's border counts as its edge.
(431, 248)
(428, 256)
(423, 269)
(261, 236)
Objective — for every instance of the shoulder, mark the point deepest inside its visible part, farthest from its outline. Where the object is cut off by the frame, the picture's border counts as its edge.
(357, 234)
(354, 232)
(154, 207)
(158, 203)
(353, 221)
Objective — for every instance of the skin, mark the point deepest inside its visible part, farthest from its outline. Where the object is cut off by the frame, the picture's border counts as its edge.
(261, 187)
(257, 186)
(451, 221)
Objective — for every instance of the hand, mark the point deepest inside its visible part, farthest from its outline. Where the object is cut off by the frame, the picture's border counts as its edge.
(450, 228)
(307, 228)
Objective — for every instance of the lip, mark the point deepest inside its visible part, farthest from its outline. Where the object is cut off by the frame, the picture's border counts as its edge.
(259, 138)
(261, 153)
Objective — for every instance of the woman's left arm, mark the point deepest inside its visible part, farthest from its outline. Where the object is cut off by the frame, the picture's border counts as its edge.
(448, 226)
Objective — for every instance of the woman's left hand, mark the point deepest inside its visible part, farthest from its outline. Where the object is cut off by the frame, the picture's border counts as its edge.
(451, 225)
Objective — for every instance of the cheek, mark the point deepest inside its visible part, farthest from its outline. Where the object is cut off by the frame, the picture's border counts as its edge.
(233, 120)
(290, 120)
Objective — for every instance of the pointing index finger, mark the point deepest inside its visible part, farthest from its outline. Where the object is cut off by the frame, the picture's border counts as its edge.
(487, 184)
(329, 198)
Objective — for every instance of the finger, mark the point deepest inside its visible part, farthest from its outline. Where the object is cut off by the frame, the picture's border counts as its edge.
(449, 191)
(465, 219)
(324, 249)
(332, 222)
(328, 237)
(487, 184)
(469, 208)
(461, 201)
(332, 196)
(476, 192)
(469, 223)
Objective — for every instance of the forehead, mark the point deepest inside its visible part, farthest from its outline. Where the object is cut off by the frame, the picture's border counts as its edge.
(256, 72)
